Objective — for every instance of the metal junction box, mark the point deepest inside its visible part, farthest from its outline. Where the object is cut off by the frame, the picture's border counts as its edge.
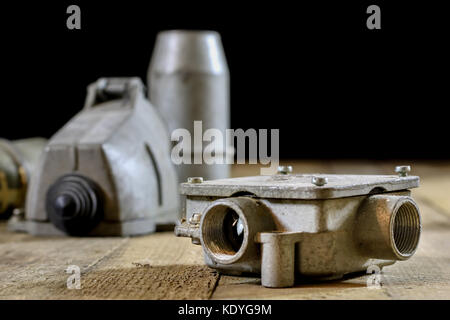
(301, 225)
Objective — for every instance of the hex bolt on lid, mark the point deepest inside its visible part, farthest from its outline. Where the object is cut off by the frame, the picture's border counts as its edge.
(284, 169)
(195, 180)
(319, 181)
(402, 170)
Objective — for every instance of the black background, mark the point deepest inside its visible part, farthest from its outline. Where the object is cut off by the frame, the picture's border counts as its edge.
(312, 69)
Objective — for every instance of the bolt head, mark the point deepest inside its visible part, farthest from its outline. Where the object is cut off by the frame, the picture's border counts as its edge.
(18, 212)
(284, 169)
(402, 170)
(319, 181)
(195, 180)
(195, 218)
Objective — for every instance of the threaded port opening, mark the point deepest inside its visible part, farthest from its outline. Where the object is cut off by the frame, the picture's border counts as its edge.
(223, 232)
(406, 229)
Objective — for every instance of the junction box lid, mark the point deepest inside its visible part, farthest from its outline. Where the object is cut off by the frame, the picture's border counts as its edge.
(300, 186)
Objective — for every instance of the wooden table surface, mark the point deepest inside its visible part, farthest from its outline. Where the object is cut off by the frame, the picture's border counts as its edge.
(161, 266)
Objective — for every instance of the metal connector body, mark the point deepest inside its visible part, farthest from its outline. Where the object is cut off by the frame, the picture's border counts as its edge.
(286, 226)
(107, 172)
(17, 162)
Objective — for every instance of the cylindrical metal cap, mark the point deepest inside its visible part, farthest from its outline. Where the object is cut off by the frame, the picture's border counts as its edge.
(188, 82)
(188, 51)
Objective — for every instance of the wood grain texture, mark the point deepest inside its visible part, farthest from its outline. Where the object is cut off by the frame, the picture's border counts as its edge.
(151, 267)
(157, 266)
(35, 268)
(161, 266)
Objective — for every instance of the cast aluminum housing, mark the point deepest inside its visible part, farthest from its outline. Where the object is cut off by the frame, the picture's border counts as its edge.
(108, 170)
(288, 225)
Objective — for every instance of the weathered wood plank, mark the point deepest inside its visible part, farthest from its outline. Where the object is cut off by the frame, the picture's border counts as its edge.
(435, 191)
(34, 268)
(159, 266)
